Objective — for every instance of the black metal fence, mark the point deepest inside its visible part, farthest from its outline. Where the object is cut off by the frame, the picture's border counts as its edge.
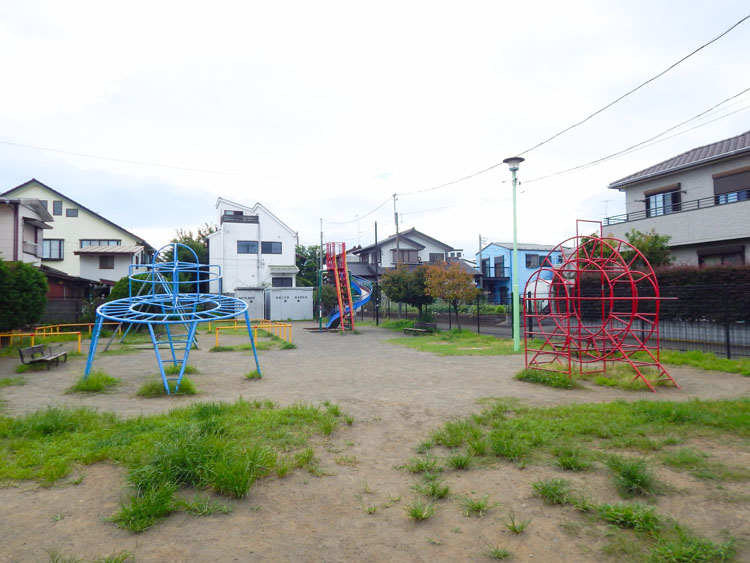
(709, 318)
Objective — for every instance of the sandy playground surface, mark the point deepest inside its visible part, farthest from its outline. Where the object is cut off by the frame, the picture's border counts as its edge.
(396, 396)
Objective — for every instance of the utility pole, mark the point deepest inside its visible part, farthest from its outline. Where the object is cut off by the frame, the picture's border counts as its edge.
(377, 278)
(398, 248)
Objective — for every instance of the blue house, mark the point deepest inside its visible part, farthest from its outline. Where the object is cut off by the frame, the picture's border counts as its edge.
(496, 262)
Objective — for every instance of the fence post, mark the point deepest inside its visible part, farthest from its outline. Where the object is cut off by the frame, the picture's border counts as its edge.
(725, 300)
(478, 330)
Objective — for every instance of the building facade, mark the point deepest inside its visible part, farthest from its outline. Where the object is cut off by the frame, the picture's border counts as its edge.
(411, 248)
(496, 263)
(22, 225)
(253, 247)
(81, 242)
(700, 198)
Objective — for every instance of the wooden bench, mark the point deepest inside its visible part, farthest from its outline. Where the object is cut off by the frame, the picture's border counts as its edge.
(417, 331)
(421, 329)
(41, 353)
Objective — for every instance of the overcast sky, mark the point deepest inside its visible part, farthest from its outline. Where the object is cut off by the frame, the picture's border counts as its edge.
(326, 109)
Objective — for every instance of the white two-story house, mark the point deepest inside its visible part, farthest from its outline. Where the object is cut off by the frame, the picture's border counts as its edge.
(410, 248)
(253, 247)
(700, 198)
(82, 243)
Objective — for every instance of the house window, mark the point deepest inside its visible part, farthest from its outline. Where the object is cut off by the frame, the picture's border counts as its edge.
(281, 282)
(267, 247)
(663, 203)
(376, 257)
(247, 247)
(57, 207)
(533, 260)
(99, 242)
(71, 212)
(406, 256)
(364, 257)
(486, 267)
(437, 257)
(106, 262)
(44, 203)
(723, 256)
(52, 249)
(500, 267)
(730, 188)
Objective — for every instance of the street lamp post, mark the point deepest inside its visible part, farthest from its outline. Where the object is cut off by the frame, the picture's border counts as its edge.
(513, 164)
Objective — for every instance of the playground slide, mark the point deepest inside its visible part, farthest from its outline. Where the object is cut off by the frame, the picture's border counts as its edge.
(361, 293)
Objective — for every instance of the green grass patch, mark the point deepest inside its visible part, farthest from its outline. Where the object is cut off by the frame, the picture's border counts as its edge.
(554, 379)
(253, 375)
(633, 476)
(706, 360)
(23, 368)
(397, 324)
(175, 369)
(8, 381)
(155, 388)
(224, 448)
(639, 517)
(582, 436)
(97, 382)
(457, 343)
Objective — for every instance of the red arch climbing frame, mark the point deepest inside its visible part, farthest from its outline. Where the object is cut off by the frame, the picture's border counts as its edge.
(599, 306)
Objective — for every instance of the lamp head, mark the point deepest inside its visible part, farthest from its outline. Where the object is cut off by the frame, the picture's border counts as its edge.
(513, 162)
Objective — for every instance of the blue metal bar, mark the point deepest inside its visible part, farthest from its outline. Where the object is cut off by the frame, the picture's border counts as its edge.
(252, 342)
(92, 347)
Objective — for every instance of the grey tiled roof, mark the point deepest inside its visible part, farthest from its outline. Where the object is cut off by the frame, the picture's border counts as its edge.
(694, 157)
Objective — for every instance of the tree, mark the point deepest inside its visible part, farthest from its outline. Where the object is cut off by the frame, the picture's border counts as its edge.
(452, 284)
(198, 242)
(23, 295)
(653, 246)
(405, 286)
(308, 262)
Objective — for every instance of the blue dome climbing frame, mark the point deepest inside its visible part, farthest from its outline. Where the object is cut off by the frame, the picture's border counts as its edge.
(161, 297)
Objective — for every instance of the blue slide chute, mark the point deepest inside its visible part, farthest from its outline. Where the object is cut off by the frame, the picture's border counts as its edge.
(361, 293)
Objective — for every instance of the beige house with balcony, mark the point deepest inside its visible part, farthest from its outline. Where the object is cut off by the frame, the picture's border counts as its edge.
(79, 242)
(700, 198)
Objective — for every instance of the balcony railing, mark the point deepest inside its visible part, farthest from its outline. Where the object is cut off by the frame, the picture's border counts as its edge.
(32, 248)
(496, 273)
(239, 219)
(703, 203)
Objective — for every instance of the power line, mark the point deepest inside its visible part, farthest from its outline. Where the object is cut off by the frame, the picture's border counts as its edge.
(626, 94)
(126, 161)
(649, 141)
(360, 217)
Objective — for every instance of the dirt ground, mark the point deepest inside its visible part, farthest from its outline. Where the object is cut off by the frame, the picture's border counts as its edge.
(396, 396)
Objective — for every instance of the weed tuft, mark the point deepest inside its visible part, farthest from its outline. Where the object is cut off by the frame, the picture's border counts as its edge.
(97, 382)
(633, 477)
(639, 517)
(553, 491)
(155, 388)
(476, 507)
(516, 526)
(555, 379)
(419, 510)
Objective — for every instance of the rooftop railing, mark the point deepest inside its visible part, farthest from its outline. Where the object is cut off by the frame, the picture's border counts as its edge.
(711, 201)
